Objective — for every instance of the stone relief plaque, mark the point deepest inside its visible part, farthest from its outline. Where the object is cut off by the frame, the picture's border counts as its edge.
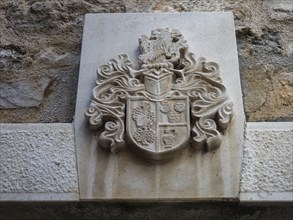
(165, 110)
(171, 100)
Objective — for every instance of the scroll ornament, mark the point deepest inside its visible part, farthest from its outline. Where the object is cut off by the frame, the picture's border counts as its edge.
(158, 109)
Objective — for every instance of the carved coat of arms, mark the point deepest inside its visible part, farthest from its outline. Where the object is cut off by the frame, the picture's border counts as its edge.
(170, 101)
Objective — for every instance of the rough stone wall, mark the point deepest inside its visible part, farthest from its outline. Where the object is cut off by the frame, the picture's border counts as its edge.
(40, 45)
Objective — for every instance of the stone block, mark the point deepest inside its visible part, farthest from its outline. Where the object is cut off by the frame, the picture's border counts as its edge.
(22, 93)
(37, 162)
(195, 175)
(280, 9)
(267, 172)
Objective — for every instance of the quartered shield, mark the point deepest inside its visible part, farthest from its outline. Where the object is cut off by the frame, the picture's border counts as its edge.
(158, 129)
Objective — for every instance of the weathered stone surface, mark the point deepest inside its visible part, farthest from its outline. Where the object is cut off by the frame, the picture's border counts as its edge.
(267, 171)
(192, 174)
(46, 36)
(139, 5)
(37, 162)
(281, 9)
(22, 93)
(10, 58)
(269, 88)
(30, 28)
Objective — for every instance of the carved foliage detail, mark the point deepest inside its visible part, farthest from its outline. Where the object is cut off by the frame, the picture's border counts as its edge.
(167, 69)
(106, 113)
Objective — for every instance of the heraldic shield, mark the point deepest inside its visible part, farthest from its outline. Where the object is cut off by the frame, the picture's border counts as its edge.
(170, 101)
(158, 128)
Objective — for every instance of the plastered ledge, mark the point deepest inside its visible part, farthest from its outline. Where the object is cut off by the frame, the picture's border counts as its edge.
(38, 163)
(267, 172)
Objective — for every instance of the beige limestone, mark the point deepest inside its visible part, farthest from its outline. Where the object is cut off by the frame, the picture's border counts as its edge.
(191, 175)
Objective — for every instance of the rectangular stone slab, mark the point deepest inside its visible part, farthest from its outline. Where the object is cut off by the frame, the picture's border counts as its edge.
(38, 162)
(192, 175)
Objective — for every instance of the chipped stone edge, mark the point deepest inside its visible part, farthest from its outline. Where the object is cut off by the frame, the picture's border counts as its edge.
(265, 197)
(37, 196)
(35, 126)
(269, 126)
(247, 198)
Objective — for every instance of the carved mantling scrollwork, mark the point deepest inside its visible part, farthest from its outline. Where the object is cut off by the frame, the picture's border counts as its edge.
(167, 70)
